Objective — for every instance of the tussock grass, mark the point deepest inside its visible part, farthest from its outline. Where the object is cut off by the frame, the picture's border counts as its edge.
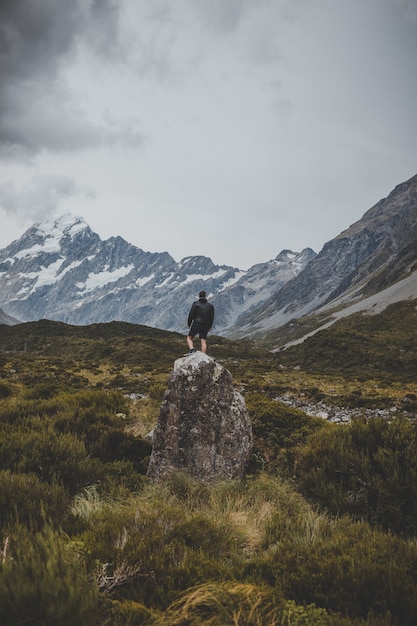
(250, 506)
(143, 414)
(239, 604)
(215, 604)
(247, 552)
(88, 503)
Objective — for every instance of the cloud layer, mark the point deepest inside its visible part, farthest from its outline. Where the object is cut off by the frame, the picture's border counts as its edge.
(39, 199)
(39, 111)
(231, 129)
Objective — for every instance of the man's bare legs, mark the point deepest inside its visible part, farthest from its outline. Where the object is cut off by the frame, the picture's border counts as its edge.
(190, 344)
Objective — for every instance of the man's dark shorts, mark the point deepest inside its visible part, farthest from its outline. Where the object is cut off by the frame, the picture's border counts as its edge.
(197, 328)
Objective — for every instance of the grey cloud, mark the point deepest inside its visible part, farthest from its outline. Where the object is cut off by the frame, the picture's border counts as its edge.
(39, 198)
(48, 123)
(34, 36)
(37, 111)
(250, 29)
(100, 27)
(37, 35)
(54, 122)
(219, 16)
(259, 24)
(409, 7)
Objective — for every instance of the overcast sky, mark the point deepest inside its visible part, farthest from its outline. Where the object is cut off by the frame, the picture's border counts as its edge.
(228, 128)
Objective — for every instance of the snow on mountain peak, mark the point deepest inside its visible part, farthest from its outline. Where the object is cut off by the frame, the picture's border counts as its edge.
(58, 226)
(49, 234)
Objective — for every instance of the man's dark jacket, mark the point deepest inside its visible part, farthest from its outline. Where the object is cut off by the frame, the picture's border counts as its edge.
(201, 311)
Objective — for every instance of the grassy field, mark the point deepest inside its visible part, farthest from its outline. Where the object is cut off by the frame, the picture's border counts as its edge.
(321, 531)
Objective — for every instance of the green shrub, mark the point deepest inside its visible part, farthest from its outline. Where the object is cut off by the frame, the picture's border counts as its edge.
(117, 445)
(53, 457)
(174, 547)
(28, 501)
(277, 429)
(6, 389)
(22, 410)
(69, 438)
(44, 581)
(156, 391)
(206, 535)
(43, 391)
(185, 488)
(343, 566)
(101, 401)
(279, 424)
(368, 469)
(120, 477)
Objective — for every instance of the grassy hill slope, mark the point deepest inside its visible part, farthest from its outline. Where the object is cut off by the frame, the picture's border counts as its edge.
(382, 346)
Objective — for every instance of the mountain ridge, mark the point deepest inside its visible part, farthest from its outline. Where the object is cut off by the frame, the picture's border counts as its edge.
(62, 270)
(364, 260)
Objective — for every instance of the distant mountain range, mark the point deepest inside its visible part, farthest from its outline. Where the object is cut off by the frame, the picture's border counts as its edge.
(62, 270)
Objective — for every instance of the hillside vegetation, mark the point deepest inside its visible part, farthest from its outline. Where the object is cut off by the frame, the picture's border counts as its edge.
(322, 530)
(366, 345)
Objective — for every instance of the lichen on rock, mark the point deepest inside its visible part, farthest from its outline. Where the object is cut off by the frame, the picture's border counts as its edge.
(203, 426)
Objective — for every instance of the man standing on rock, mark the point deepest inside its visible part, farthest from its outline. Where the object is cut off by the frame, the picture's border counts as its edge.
(200, 321)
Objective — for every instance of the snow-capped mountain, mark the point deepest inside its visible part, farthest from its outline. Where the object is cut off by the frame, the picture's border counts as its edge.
(256, 286)
(62, 270)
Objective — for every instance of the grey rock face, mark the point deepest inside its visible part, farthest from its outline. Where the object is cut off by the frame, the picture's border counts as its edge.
(369, 256)
(7, 319)
(203, 427)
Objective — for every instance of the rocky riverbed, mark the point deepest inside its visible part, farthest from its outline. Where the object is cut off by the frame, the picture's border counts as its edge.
(338, 414)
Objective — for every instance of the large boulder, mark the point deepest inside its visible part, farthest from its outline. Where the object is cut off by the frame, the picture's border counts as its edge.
(203, 426)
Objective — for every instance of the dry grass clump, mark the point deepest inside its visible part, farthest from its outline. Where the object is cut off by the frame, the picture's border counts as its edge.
(224, 604)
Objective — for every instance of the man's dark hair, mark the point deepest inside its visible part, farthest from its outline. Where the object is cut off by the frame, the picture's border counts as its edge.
(202, 294)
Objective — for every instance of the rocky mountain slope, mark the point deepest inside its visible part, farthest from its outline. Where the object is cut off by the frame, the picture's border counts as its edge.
(7, 319)
(368, 266)
(62, 270)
